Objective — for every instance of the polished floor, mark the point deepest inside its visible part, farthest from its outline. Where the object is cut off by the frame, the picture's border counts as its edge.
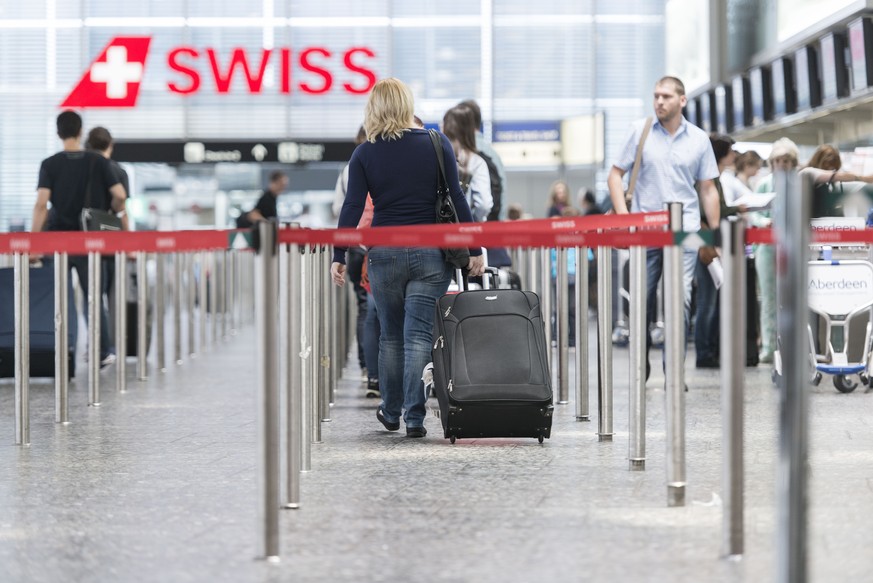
(158, 484)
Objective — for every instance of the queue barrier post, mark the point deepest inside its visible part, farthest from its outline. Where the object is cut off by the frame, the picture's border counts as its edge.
(142, 314)
(202, 290)
(266, 282)
(637, 338)
(121, 321)
(562, 321)
(546, 287)
(160, 311)
(94, 305)
(674, 356)
(605, 431)
(581, 299)
(21, 307)
(325, 333)
(293, 378)
(793, 206)
(62, 348)
(177, 307)
(190, 295)
(733, 357)
(307, 355)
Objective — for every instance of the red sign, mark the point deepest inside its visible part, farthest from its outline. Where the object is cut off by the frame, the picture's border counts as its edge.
(114, 78)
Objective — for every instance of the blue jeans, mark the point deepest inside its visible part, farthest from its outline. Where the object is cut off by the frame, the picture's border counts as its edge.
(406, 284)
(654, 267)
(371, 339)
(706, 322)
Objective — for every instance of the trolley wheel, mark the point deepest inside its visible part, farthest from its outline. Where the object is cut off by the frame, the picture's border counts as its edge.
(816, 379)
(452, 439)
(843, 384)
(540, 438)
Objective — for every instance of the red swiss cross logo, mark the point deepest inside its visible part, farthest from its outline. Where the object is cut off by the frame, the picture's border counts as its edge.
(113, 79)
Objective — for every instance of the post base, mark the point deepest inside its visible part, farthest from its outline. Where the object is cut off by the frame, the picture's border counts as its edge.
(675, 496)
(637, 465)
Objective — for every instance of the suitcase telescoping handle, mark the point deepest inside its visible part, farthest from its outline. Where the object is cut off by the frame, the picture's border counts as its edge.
(490, 279)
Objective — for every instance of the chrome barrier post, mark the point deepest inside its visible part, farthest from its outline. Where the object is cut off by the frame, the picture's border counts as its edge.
(733, 360)
(232, 288)
(306, 357)
(293, 378)
(530, 272)
(638, 331)
(121, 321)
(160, 311)
(222, 296)
(142, 314)
(62, 347)
(674, 357)
(201, 298)
(604, 344)
(266, 281)
(21, 294)
(177, 307)
(546, 301)
(324, 334)
(581, 299)
(793, 207)
(317, 324)
(94, 301)
(213, 295)
(562, 321)
(191, 297)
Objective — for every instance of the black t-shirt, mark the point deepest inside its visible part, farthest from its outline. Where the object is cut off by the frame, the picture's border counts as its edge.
(122, 177)
(67, 175)
(267, 205)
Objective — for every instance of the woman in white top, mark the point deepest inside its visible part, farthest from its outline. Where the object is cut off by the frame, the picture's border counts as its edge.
(459, 127)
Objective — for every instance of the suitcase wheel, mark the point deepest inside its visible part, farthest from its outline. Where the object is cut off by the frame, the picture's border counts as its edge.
(540, 438)
(452, 439)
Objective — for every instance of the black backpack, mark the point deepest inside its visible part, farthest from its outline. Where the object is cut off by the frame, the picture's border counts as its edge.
(496, 187)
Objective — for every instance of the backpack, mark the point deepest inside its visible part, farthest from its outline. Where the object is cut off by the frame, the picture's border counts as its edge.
(496, 187)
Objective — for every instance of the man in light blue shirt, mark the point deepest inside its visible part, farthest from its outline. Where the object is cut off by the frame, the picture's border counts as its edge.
(676, 156)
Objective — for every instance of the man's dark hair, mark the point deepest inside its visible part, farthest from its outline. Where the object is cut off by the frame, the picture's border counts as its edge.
(99, 139)
(277, 175)
(477, 113)
(458, 125)
(69, 124)
(721, 145)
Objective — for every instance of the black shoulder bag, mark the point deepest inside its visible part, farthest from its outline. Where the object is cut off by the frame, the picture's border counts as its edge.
(445, 207)
(94, 219)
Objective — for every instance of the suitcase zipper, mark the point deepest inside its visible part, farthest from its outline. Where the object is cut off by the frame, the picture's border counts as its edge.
(450, 385)
(438, 343)
(447, 312)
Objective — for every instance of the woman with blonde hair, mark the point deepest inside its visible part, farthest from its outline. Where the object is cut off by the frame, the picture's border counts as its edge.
(397, 165)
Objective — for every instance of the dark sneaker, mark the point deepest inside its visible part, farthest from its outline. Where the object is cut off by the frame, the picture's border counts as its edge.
(388, 424)
(416, 431)
(373, 389)
(709, 362)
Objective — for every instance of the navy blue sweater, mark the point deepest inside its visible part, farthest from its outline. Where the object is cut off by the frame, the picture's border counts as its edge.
(401, 177)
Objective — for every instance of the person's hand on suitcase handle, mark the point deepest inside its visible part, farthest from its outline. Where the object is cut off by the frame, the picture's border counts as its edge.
(338, 273)
(476, 266)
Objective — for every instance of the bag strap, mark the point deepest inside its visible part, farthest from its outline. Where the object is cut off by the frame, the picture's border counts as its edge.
(441, 162)
(90, 185)
(638, 159)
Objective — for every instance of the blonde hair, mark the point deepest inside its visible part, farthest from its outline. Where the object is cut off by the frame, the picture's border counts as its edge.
(389, 110)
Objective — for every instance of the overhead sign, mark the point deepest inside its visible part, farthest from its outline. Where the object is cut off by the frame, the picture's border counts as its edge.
(527, 131)
(204, 152)
(114, 78)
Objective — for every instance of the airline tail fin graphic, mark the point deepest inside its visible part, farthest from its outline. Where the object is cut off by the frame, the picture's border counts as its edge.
(113, 79)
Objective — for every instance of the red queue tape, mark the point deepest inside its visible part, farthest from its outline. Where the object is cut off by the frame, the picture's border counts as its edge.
(593, 231)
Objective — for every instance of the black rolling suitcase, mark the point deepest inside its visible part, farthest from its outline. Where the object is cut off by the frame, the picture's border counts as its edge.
(42, 323)
(490, 370)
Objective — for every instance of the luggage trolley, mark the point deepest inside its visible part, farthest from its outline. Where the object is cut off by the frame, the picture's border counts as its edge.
(838, 291)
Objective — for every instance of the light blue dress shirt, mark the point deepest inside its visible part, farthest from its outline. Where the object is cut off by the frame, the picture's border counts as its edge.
(670, 167)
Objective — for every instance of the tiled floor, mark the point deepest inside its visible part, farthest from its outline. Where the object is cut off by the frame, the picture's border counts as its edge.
(159, 484)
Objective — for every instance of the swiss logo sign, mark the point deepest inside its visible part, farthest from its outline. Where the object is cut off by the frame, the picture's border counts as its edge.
(113, 79)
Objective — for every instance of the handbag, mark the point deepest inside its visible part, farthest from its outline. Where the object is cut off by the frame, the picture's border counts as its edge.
(94, 219)
(445, 207)
(629, 193)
